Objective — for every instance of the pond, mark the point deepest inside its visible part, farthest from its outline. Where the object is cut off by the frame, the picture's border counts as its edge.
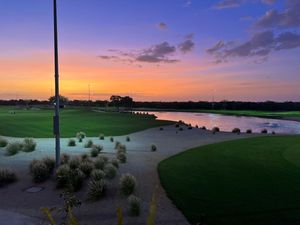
(227, 123)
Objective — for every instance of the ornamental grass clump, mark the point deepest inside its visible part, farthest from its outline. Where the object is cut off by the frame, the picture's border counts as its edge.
(236, 130)
(80, 136)
(110, 171)
(121, 148)
(100, 163)
(88, 144)
(95, 151)
(7, 176)
(84, 157)
(134, 205)
(86, 167)
(62, 176)
(74, 162)
(3, 142)
(28, 145)
(72, 143)
(128, 184)
(76, 178)
(121, 156)
(50, 163)
(97, 189)
(39, 171)
(115, 162)
(97, 174)
(64, 158)
(127, 138)
(153, 148)
(13, 148)
(101, 136)
(117, 144)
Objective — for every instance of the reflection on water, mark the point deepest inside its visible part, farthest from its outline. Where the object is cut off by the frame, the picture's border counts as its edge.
(227, 123)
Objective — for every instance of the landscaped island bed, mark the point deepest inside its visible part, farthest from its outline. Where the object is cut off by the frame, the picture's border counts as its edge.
(38, 122)
(252, 181)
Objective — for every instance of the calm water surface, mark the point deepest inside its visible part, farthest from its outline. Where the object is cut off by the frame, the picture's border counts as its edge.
(227, 123)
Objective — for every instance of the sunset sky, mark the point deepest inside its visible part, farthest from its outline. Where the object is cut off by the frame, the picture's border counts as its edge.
(153, 50)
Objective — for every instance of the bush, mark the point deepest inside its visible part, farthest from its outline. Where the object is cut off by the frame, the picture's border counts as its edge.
(97, 189)
(121, 156)
(153, 148)
(72, 143)
(203, 127)
(249, 131)
(177, 125)
(86, 167)
(190, 127)
(88, 144)
(127, 184)
(96, 149)
(28, 145)
(112, 139)
(115, 162)
(134, 205)
(215, 130)
(197, 126)
(7, 176)
(99, 163)
(264, 131)
(13, 148)
(110, 171)
(80, 135)
(76, 179)
(62, 176)
(3, 142)
(50, 163)
(39, 171)
(64, 158)
(97, 174)
(273, 132)
(127, 138)
(74, 162)
(101, 136)
(236, 130)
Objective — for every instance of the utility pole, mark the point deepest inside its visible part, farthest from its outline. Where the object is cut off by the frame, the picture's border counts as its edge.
(56, 128)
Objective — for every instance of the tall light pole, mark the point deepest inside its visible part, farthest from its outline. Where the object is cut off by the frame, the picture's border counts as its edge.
(56, 128)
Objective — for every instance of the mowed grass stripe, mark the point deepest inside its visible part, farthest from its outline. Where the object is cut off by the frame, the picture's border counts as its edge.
(248, 181)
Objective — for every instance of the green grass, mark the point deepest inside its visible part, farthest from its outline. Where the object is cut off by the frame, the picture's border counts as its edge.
(245, 182)
(254, 113)
(38, 123)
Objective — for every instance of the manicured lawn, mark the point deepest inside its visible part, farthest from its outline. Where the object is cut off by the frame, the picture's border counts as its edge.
(254, 113)
(38, 123)
(245, 182)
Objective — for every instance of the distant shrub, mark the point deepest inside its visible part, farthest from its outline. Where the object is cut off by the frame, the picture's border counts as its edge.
(97, 174)
(112, 139)
(127, 184)
(215, 130)
(110, 171)
(74, 162)
(203, 127)
(121, 148)
(80, 140)
(177, 125)
(161, 128)
(13, 148)
(72, 143)
(101, 136)
(197, 126)
(7, 176)
(127, 138)
(97, 189)
(117, 144)
(99, 163)
(153, 148)
(88, 144)
(134, 205)
(64, 158)
(115, 162)
(86, 167)
(39, 171)
(190, 127)
(180, 128)
(236, 130)
(249, 131)
(264, 131)
(80, 135)
(62, 176)
(121, 156)
(3, 142)
(96, 149)
(28, 145)
(273, 132)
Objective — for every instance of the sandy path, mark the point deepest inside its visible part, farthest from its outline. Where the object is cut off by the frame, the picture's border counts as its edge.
(142, 163)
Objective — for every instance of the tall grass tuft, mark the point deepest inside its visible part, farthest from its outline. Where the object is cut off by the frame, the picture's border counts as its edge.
(39, 171)
(7, 176)
(28, 145)
(115, 162)
(97, 174)
(86, 167)
(134, 205)
(97, 189)
(121, 156)
(13, 148)
(64, 158)
(96, 149)
(3, 142)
